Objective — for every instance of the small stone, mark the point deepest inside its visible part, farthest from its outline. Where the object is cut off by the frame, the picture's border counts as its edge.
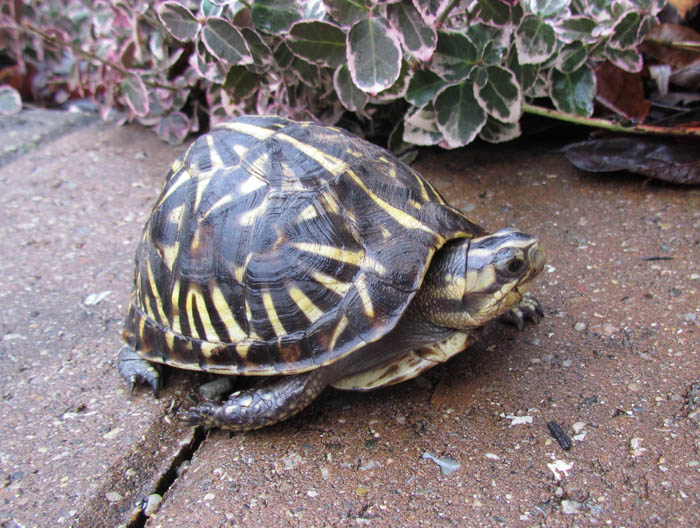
(636, 448)
(361, 491)
(312, 493)
(492, 456)
(570, 507)
(580, 327)
(634, 387)
(578, 427)
(113, 496)
(111, 434)
(209, 496)
(152, 504)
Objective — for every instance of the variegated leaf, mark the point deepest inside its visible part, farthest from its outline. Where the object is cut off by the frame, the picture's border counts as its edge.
(241, 83)
(415, 34)
(225, 42)
(460, 117)
(318, 42)
(10, 100)
(496, 12)
(346, 12)
(174, 127)
(573, 93)
(629, 60)
(350, 95)
(571, 57)
(374, 55)
(500, 96)
(420, 127)
(431, 9)
(454, 57)
(178, 20)
(135, 94)
(423, 87)
(276, 16)
(495, 131)
(535, 40)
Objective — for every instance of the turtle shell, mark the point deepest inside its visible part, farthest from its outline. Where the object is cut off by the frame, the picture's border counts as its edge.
(276, 247)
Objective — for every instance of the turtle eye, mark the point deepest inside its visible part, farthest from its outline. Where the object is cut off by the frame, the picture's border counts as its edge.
(516, 265)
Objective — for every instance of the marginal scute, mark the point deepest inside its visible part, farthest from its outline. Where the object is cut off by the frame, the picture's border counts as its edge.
(276, 247)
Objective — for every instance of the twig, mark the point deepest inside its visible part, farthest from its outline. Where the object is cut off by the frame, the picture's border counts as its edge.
(679, 131)
(441, 18)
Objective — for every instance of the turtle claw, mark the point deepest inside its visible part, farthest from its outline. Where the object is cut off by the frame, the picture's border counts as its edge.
(528, 308)
(134, 369)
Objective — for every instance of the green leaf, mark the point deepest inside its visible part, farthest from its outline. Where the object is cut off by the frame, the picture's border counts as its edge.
(573, 93)
(626, 31)
(416, 36)
(135, 94)
(496, 132)
(10, 100)
(262, 56)
(225, 42)
(526, 74)
(496, 12)
(178, 20)
(454, 57)
(420, 127)
(241, 83)
(276, 16)
(346, 12)
(535, 40)
(577, 27)
(283, 56)
(500, 96)
(350, 95)
(571, 57)
(319, 42)
(460, 117)
(423, 87)
(374, 55)
(307, 73)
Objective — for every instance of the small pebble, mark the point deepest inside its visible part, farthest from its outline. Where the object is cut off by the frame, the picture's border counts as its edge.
(634, 387)
(580, 327)
(152, 504)
(113, 496)
(570, 507)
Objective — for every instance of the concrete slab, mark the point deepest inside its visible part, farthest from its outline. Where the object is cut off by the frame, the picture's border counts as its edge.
(615, 363)
(72, 216)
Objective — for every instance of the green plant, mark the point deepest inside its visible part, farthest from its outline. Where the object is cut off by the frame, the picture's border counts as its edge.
(446, 71)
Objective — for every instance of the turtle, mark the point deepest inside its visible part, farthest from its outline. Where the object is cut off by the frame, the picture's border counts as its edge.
(305, 254)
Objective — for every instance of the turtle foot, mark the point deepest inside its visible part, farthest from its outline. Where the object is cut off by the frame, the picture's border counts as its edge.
(528, 308)
(134, 369)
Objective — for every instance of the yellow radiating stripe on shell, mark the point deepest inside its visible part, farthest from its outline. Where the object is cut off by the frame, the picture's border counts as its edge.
(336, 286)
(195, 299)
(249, 130)
(239, 272)
(242, 350)
(272, 314)
(306, 305)
(248, 218)
(208, 348)
(156, 294)
(251, 184)
(170, 339)
(334, 253)
(170, 254)
(174, 184)
(202, 183)
(309, 213)
(405, 219)
(219, 203)
(260, 164)
(235, 332)
(332, 164)
(342, 324)
(361, 285)
(216, 161)
(175, 300)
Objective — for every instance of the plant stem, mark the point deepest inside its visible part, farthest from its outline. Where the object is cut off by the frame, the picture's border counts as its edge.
(440, 19)
(59, 41)
(609, 125)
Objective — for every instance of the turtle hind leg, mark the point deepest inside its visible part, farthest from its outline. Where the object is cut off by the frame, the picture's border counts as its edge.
(528, 308)
(133, 368)
(256, 408)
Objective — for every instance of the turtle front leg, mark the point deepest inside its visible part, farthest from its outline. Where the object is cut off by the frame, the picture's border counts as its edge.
(256, 408)
(528, 308)
(133, 368)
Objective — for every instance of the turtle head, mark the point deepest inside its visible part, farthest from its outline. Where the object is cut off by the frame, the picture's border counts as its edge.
(472, 281)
